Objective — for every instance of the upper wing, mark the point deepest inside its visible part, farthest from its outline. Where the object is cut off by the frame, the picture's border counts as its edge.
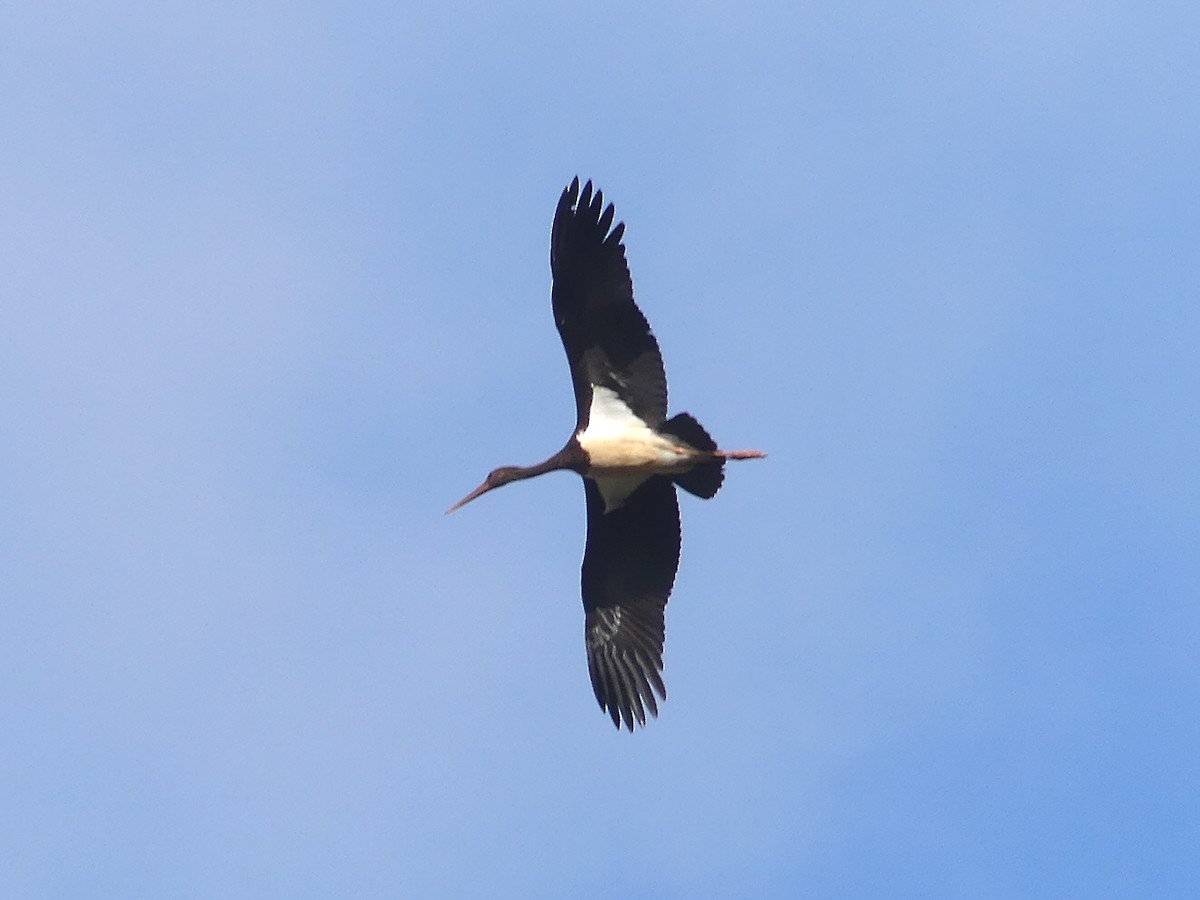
(628, 571)
(607, 339)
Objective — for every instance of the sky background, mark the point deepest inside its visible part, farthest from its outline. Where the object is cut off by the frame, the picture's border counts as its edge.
(274, 292)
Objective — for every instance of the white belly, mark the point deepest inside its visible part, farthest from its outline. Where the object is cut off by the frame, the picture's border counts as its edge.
(649, 453)
(623, 451)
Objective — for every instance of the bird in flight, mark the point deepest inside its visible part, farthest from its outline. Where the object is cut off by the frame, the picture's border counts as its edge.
(631, 457)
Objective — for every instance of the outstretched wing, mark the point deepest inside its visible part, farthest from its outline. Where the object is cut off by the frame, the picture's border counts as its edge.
(607, 339)
(628, 570)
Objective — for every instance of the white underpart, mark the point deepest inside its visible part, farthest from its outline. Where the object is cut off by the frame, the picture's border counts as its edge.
(610, 417)
(625, 451)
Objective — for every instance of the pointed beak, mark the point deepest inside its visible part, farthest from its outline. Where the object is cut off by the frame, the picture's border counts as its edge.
(478, 492)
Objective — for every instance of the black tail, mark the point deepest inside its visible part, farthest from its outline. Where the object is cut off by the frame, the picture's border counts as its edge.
(705, 479)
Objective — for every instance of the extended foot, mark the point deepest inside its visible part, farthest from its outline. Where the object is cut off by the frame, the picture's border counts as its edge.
(740, 454)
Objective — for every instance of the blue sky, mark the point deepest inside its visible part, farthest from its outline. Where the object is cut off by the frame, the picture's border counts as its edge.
(276, 293)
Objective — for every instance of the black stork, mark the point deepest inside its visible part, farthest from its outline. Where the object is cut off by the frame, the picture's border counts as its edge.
(631, 457)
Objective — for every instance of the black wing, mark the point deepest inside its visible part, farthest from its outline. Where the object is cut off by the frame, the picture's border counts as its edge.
(628, 571)
(607, 339)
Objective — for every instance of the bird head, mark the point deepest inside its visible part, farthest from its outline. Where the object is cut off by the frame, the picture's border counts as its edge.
(496, 478)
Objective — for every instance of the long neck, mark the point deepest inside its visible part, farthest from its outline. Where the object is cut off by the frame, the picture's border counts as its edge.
(569, 457)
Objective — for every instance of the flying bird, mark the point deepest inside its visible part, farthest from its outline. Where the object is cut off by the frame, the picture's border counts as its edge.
(631, 457)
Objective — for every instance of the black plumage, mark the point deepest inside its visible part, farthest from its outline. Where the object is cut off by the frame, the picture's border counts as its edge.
(630, 455)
